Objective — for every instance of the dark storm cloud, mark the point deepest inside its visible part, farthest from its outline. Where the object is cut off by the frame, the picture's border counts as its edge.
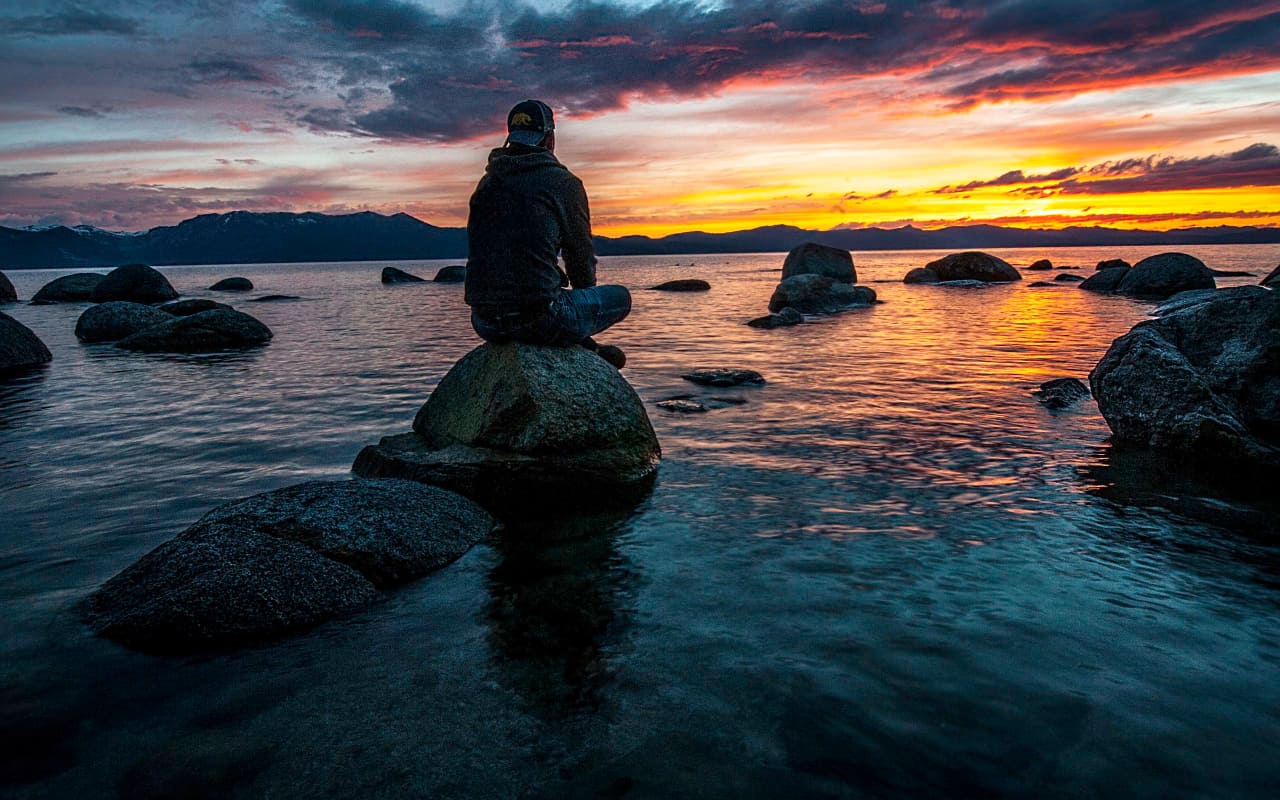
(69, 22)
(78, 111)
(227, 70)
(452, 76)
(1255, 165)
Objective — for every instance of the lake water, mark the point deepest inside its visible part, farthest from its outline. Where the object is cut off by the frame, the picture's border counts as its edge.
(890, 572)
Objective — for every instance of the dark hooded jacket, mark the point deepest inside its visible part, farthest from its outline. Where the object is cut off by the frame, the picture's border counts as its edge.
(527, 208)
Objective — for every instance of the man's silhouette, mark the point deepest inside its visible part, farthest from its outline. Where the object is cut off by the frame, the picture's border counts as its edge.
(528, 209)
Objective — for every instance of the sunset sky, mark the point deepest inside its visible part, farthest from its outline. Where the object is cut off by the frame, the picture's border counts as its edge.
(677, 115)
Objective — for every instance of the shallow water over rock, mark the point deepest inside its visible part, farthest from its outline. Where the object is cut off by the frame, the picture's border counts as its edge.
(887, 571)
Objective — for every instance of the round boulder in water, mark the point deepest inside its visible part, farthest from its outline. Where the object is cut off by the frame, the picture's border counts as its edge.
(20, 348)
(1165, 275)
(116, 319)
(77, 288)
(236, 284)
(1042, 264)
(206, 332)
(137, 283)
(973, 266)
(526, 425)
(456, 273)
(812, 258)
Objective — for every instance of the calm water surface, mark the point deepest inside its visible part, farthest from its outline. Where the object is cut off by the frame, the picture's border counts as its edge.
(890, 572)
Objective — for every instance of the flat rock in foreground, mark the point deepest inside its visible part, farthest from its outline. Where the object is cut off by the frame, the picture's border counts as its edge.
(20, 348)
(1202, 382)
(206, 332)
(517, 423)
(258, 568)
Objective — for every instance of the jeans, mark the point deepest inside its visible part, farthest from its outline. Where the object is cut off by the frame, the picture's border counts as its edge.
(572, 317)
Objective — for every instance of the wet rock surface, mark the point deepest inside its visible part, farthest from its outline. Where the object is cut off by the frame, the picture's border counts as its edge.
(819, 294)
(1202, 382)
(785, 318)
(77, 288)
(117, 319)
(20, 348)
(724, 376)
(394, 275)
(811, 258)
(1165, 275)
(529, 425)
(205, 332)
(137, 283)
(973, 266)
(235, 284)
(683, 285)
(1061, 393)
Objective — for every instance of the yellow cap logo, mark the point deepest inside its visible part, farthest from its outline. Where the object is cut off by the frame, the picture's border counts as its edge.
(522, 119)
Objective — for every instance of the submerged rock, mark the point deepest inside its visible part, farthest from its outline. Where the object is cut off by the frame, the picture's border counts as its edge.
(136, 283)
(393, 275)
(1112, 263)
(20, 348)
(519, 424)
(812, 258)
(206, 332)
(783, 319)
(921, 275)
(1043, 263)
(1165, 275)
(456, 273)
(683, 285)
(818, 294)
(7, 293)
(275, 298)
(236, 284)
(682, 405)
(1067, 278)
(185, 308)
(77, 288)
(1202, 382)
(116, 319)
(973, 266)
(1108, 280)
(277, 562)
(724, 376)
(1272, 279)
(1061, 393)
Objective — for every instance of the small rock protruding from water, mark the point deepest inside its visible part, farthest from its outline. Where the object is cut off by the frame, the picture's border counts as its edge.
(1042, 264)
(529, 427)
(235, 284)
(7, 293)
(812, 258)
(1272, 279)
(454, 273)
(1165, 275)
(784, 318)
(137, 283)
(1067, 277)
(20, 348)
(76, 288)
(683, 285)
(1061, 393)
(274, 563)
(395, 275)
(194, 305)
(682, 405)
(206, 332)
(116, 319)
(724, 376)
(1112, 263)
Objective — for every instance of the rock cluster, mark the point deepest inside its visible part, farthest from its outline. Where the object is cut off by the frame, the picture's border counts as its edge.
(137, 283)
(967, 266)
(1202, 381)
(20, 348)
(277, 562)
(77, 288)
(526, 425)
(816, 279)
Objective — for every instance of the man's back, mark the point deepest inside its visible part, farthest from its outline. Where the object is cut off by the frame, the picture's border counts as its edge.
(526, 210)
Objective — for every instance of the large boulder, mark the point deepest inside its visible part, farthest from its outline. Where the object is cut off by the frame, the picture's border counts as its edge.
(277, 562)
(455, 273)
(819, 294)
(1165, 275)
(20, 348)
(811, 258)
(1107, 280)
(206, 332)
(77, 288)
(527, 425)
(136, 283)
(236, 284)
(1272, 279)
(973, 266)
(1202, 382)
(394, 275)
(7, 293)
(116, 319)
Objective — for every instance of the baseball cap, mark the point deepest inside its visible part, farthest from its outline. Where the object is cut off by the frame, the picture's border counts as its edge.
(529, 122)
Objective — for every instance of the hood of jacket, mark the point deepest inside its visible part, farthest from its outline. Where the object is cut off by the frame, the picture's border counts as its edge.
(506, 161)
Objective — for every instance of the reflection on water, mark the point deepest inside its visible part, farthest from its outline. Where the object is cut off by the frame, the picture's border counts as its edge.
(888, 571)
